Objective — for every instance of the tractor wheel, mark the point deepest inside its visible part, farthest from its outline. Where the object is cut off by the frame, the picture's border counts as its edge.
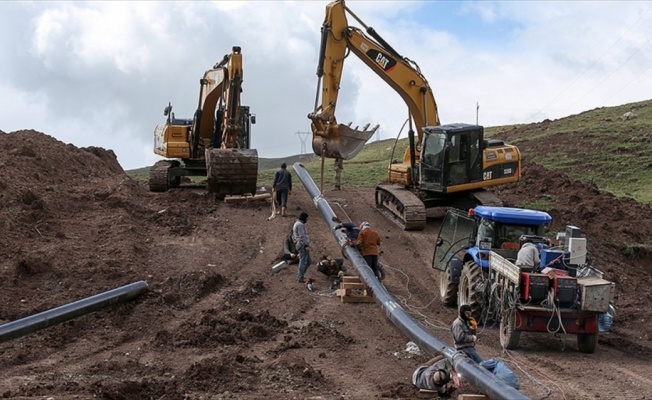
(447, 289)
(469, 290)
(509, 336)
(586, 342)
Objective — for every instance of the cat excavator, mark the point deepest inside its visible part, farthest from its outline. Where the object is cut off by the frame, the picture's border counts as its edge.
(443, 166)
(216, 142)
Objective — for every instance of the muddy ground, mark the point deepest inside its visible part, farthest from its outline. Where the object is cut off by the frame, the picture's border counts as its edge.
(215, 323)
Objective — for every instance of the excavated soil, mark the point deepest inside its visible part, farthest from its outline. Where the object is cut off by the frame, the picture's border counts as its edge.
(215, 323)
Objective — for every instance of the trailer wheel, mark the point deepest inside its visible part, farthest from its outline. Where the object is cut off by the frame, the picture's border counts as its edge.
(509, 336)
(586, 342)
(469, 288)
(447, 289)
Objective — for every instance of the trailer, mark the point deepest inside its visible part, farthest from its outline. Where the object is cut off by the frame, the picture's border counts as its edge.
(550, 301)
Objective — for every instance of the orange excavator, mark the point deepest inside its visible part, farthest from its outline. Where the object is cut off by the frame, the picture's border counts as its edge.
(215, 143)
(443, 166)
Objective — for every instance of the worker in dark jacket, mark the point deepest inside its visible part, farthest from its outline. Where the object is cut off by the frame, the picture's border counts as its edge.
(282, 185)
(351, 229)
(464, 331)
(331, 267)
(437, 375)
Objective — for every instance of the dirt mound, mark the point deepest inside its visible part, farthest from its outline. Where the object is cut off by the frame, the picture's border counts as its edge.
(215, 323)
(617, 230)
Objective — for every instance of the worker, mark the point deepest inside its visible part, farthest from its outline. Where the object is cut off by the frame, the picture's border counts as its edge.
(368, 242)
(282, 186)
(528, 255)
(464, 331)
(302, 244)
(290, 253)
(437, 375)
(331, 267)
(351, 229)
(338, 167)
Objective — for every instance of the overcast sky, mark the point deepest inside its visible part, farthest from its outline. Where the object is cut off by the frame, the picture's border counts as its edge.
(100, 73)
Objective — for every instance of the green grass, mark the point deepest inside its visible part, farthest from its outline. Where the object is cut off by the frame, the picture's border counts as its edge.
(595, 146)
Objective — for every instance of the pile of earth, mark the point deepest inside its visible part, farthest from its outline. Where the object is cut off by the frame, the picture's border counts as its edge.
(215, 323)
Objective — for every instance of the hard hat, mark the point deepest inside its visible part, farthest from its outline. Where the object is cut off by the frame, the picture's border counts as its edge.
(441, 377)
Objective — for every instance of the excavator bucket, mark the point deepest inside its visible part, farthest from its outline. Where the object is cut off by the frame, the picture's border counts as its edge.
(232, 171)
(342, 142)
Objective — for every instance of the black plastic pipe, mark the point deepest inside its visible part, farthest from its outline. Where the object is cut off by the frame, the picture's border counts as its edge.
(484, 380)
(21, 327)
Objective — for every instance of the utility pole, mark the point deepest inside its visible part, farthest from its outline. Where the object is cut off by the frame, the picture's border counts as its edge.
(477, 111)
(303, 136)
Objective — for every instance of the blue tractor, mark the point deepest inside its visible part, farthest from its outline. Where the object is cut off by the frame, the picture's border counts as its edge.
(465, 240)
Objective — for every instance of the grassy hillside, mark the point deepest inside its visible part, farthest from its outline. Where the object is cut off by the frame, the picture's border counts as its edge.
(595, 146)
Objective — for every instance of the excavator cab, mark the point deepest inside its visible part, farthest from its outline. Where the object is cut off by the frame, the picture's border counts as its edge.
(451, 155)
(456, 158)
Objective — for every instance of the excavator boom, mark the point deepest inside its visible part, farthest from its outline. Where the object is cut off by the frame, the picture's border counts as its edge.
(334, 140)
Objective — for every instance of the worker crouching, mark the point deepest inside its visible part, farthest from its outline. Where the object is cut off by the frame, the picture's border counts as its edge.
(436, 375)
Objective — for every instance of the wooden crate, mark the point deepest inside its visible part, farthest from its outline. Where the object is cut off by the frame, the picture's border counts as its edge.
(352, 290)
(427, 394)
(472, 397)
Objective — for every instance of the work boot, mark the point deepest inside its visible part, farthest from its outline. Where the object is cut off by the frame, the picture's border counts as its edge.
(301, 280)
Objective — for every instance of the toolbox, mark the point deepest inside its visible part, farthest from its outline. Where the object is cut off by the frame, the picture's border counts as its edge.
(595, 293)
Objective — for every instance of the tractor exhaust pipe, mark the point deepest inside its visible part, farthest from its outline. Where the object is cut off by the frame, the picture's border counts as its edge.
(21, 327)
(481, 378)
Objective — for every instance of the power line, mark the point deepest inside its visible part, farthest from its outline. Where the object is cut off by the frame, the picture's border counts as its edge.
(608, 76)
(593, 64)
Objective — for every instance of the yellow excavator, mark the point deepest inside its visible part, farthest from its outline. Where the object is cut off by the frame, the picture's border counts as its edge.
(215, 143)
(443, 166)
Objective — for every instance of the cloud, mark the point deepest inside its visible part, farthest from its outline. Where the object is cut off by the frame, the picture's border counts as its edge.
(100, 73)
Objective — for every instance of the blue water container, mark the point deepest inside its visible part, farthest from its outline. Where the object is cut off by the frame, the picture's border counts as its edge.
(548, 256)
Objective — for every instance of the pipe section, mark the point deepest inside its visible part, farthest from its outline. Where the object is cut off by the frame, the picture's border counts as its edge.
(484, 380)
(21, 327)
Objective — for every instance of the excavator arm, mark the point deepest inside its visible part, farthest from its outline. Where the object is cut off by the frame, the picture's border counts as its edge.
(231, 119)
(333, 140)
(220, 89)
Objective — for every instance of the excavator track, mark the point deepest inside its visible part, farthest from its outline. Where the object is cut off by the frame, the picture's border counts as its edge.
(401, 206)
(159, 176)
(232, 171)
